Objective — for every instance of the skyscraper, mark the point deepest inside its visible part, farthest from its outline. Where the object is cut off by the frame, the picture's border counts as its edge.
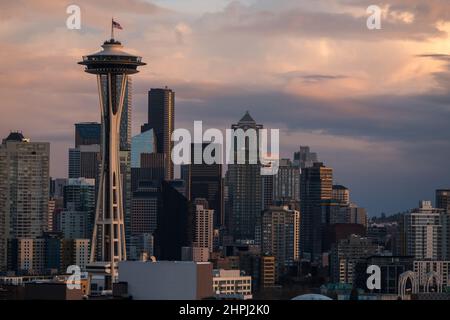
(316, 186)
(245, 185)
(85, 161)
(443, 199)
(280, 231)
(77, 218)
(305, 158)
(286, 183)
(205, 181)
(140, 144)
(87, 133)
(424, 229)
(161, 118)
(346, 254)
(112, 66)
(24, 190)
(146, 204)
(145, 207)
(203, 225)
(175, 224)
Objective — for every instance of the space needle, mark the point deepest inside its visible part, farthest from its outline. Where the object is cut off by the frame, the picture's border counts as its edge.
(112, 66)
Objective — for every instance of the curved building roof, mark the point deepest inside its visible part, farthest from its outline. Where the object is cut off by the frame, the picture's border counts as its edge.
(311, 296)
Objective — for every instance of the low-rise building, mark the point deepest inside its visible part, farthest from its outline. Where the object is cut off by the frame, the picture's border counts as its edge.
(232, 282)
(167, 280)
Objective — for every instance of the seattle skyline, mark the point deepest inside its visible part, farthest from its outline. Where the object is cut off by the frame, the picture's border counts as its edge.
(379, 120)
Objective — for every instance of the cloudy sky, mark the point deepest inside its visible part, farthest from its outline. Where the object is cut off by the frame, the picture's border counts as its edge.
(374, 104)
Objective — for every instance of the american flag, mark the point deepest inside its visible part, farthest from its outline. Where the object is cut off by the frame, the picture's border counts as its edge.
(116, 25)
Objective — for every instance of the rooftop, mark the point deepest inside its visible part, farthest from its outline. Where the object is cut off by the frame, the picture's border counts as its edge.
(15, 136)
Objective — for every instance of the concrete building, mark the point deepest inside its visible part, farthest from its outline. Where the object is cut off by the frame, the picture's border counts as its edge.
(423, 230)
(423, 268)
(167, 280)
(232, 283)
(24, 190)
(196, 254)
(280, 232)
(268, 272)
(30, 256)
(341, 194)
(345, 255)
(204, 229)
(81, 249)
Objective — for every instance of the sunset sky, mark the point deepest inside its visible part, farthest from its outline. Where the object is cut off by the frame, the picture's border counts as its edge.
(375, 104)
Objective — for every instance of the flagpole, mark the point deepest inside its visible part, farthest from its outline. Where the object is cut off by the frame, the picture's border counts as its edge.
(112, 28)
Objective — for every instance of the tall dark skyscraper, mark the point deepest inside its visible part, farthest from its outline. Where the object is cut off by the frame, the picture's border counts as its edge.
(161, 118)
(316, 187)
(87, 133)
(205, 181)
(85, 158)
(244, 187)
(176, 224)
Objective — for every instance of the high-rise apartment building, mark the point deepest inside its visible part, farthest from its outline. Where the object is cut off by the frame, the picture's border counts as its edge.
(24, 190)
(316, 187)
(244, 182)
(424, 230)
(161, 118)
(280, 232)
(203, 225)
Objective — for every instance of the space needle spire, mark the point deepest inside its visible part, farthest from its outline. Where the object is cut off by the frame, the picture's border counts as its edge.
(112, 66)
